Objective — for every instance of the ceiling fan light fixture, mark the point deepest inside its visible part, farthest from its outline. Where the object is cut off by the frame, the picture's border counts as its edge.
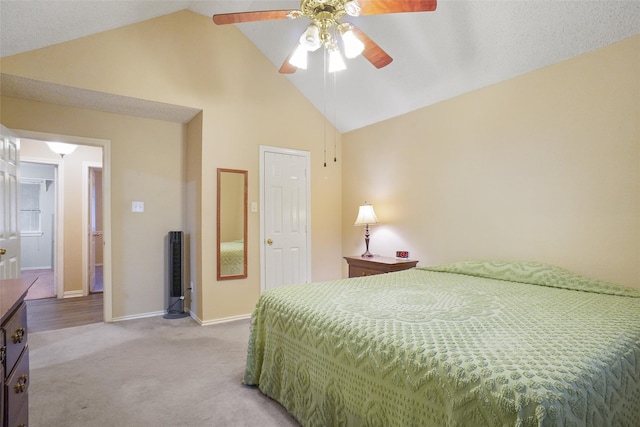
(336, 63)
(353, 46)
(299, 57)
(310, 39)
(352, 8)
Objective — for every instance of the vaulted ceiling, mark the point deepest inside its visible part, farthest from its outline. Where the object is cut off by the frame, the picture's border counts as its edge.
(462, 46)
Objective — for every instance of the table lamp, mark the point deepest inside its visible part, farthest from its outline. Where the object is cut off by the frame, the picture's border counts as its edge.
(366, 216)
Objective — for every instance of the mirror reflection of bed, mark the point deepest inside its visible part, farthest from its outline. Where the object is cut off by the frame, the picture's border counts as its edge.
(232, 224)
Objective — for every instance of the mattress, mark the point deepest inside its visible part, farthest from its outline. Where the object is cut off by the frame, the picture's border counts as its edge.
(473, 343)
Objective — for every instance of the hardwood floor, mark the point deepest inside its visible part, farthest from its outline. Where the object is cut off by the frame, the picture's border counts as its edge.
(44, 285)
(52, 313)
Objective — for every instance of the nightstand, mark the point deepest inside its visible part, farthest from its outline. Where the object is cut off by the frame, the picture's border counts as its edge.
(368, 266)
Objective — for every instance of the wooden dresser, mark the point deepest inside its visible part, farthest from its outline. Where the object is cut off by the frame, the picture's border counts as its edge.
(368, 266)
(14, 352)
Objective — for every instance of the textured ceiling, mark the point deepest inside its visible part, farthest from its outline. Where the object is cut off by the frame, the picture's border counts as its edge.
(462, 46)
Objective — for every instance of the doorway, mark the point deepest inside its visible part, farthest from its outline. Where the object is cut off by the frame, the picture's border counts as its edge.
(285, 217)
(93, 174)
(76, 255)
(48, 202)
(37, 224)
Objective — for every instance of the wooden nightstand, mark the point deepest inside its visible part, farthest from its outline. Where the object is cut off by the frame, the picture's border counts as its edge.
(368, 266)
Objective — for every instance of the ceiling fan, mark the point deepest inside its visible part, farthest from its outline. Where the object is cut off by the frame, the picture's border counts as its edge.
(326, 25)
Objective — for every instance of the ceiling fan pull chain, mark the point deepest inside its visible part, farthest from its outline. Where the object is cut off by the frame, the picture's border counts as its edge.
(324, 107)
(335, 118)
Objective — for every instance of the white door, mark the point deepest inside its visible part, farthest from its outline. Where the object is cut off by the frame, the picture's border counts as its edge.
(93, 232)
(285, 230)
(9, 235)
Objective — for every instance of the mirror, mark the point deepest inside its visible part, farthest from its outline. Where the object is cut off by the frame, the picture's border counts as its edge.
(232, 224)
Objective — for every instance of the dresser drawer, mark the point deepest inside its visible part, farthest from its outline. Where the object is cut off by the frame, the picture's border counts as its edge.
(368, 266)
(2, 396)
(15, 331)
(360, 271)
(17, 390)
(22, 419)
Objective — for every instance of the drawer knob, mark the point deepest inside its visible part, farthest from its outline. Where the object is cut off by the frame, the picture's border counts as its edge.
(21, 385)
(18, 335)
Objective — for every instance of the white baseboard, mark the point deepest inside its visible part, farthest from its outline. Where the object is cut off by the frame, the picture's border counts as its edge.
(193, 316)
(72, 294)
(224, 320)
(138, 316)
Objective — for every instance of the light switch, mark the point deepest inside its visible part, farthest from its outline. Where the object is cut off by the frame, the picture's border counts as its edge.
(254, 207)
(137, 206)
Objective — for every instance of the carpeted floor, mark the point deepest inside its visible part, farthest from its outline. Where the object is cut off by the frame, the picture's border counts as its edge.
(151, 372)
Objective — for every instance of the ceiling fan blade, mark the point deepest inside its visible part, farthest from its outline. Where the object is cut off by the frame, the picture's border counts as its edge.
(376, 7)
(286, 67)
(235, 18)
(374, 53)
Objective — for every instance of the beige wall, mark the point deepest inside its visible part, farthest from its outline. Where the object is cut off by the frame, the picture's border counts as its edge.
(184, 59)
(138, 255)
(542, 167)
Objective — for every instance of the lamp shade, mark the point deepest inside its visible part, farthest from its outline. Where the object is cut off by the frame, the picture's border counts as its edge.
(366, 215)
(299, 57)
(352, 45)
(336, 63)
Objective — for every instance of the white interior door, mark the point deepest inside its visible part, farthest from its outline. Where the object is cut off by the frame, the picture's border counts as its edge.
(286, 242)
(9, 232)
(93, 232)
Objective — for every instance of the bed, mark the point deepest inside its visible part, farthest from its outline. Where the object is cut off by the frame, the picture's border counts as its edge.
(473, 343)
(232, 258)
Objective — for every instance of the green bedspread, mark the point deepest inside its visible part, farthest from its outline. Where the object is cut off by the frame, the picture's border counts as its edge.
(470, 345)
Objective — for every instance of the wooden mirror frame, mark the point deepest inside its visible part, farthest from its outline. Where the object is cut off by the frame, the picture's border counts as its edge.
(235, 269)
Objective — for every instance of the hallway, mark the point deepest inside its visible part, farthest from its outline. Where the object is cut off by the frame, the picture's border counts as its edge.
(45, 312)
(52, 313)
(44, 287)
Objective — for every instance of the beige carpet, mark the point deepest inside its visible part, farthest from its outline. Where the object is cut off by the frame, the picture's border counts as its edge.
(151, 372)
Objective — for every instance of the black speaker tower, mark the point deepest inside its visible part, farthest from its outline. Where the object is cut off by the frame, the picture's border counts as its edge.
(175, 260)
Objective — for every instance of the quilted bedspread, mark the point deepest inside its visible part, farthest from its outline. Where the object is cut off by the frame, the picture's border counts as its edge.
(469, 344)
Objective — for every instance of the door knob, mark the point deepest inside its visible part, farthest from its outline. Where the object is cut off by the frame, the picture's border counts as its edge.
(3, 251)
(269, 242)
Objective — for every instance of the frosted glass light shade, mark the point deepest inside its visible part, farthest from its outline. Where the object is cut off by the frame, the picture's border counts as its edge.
(352, 45)
(299, 57)
(61, 148)
(352, 8)
(336, 63)
(310, 39)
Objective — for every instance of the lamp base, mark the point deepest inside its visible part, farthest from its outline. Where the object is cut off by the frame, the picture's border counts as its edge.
(366, 253)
